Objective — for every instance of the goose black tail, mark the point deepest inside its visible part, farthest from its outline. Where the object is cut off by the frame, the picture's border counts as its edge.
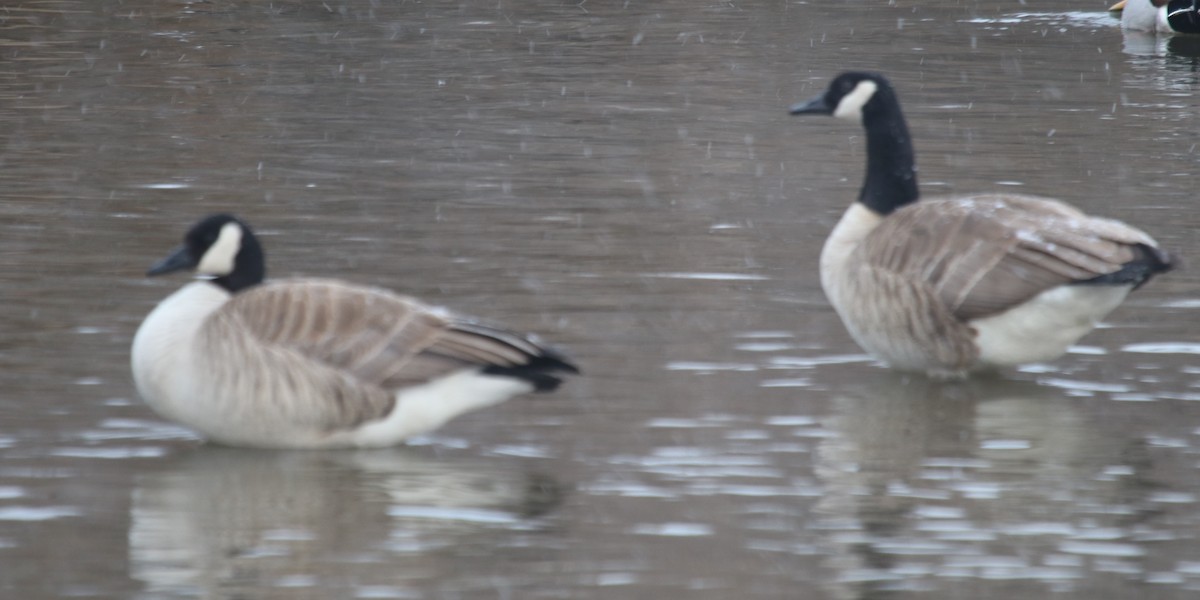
(1150, 261)
(541, 370)
(542, 366)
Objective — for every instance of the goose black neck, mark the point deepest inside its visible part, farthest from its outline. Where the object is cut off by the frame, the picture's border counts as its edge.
(249, 267)
(891, 180)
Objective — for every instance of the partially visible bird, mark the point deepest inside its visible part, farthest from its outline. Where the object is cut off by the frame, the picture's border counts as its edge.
(1162, 16)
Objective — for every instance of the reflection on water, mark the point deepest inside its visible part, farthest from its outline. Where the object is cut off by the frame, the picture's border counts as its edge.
(226, 523)
(621, 177)
(1179, 50)
(1091, 21)
(930, 485)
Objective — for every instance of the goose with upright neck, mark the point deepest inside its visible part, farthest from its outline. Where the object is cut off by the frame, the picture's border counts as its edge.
(316, 363)
(949, 286)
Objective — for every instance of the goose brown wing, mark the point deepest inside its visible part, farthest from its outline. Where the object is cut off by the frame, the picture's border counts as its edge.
(982, 255)
(362, 344)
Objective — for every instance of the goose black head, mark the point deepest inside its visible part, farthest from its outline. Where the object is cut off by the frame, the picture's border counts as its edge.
(868, 99)
(853, 95)
(220, 247)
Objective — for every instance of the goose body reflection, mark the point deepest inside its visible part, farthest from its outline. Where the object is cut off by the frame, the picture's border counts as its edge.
(928, 481)
(227, 522)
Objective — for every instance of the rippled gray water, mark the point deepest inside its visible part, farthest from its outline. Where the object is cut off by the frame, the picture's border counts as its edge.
(622, 178)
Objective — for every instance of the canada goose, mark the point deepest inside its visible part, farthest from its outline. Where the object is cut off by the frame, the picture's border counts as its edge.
(310, 363)
(948, 286)
(1164, 16)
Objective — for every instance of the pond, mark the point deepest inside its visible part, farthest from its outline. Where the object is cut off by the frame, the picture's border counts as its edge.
(624, 180)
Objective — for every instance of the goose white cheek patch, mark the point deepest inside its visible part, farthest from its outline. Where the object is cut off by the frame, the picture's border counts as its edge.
(851, 105)
(219, 258)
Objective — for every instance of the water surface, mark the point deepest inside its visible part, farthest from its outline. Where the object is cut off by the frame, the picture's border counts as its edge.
(623, 179)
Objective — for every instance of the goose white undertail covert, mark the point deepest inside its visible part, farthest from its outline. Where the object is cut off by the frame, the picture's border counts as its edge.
(312, 363)
(953, 285)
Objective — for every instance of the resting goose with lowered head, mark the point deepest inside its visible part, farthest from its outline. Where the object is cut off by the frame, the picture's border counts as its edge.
(953, 285)
(311, 363)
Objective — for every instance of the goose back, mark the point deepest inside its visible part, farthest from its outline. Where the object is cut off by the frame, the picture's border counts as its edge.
(982, 255)
(381, 338)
